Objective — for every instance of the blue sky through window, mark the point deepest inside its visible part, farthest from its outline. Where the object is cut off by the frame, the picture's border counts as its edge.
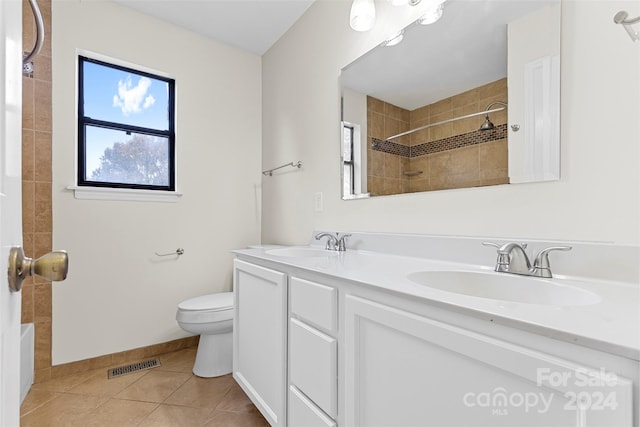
(120, 96)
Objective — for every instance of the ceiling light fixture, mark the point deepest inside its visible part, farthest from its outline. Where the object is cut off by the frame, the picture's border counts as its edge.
(432, 15)
(404, 2)
(621, 18)
(363, 15)
(394, 39)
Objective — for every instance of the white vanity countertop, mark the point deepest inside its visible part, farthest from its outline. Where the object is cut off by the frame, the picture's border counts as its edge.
(611, 325)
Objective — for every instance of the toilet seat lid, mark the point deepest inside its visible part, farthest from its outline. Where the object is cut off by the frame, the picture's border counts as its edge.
(211, 302)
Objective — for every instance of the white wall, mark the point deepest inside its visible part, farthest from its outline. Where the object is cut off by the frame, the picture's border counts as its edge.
(118, 295)
(597, 198)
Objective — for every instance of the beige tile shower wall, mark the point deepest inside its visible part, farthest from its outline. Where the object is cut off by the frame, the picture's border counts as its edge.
(36, 184)
(472, 101)
(385, 170)
(473, 166)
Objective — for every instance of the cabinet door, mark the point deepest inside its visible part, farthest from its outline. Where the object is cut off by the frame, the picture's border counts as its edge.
(402, 369)
(259, 345)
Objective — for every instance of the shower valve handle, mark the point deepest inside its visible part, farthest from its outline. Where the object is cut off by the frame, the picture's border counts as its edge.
(52, 266)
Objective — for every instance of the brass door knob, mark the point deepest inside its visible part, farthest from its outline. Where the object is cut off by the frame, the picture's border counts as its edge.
(52, 266)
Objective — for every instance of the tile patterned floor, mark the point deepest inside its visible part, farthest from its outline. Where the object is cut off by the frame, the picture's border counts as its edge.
(169, 395)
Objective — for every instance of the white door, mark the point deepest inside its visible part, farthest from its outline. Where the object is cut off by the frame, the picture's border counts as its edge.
(10, 205)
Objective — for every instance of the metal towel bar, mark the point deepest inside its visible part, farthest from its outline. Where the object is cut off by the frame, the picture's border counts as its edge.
(178, 252)
(621, 18)
(270, 171)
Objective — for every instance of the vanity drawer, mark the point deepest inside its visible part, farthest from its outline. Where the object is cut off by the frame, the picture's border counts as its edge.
(303, 412)
(313, 365)
(314, 302)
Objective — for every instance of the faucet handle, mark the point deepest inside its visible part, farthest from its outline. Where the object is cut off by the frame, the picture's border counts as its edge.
(495, 245)
(541, 266)
(502, 263)
(542, 259)
(342, 243)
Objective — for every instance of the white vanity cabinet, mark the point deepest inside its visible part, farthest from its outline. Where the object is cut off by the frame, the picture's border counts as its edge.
(312, 349)
(259, 337)
(406, 369)
(313, 353)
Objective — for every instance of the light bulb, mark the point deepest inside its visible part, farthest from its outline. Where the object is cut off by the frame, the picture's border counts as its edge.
(394, 39)
(363, 15)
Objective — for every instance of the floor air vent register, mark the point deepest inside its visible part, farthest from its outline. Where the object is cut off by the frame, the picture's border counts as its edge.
(134, 367)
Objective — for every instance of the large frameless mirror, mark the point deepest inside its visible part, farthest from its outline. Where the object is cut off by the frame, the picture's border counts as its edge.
(468, 101)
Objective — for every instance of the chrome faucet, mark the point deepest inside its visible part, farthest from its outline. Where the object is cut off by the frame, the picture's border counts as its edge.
(332, 241)
(335, 242)
(513, 259)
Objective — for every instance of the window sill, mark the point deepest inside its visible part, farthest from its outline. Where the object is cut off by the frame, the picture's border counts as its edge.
(124, 194)
(356, 196)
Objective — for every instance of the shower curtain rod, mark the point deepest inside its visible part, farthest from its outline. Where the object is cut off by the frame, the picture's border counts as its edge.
(443, 122)
(37, 16)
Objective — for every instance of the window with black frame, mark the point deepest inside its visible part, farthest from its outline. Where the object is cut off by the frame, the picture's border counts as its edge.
(126, 136)
(348, 178)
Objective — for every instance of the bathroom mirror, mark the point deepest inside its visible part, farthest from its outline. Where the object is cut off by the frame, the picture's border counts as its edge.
(412, 113)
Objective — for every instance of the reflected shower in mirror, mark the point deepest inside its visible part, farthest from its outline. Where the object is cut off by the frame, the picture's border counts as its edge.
(445, 109)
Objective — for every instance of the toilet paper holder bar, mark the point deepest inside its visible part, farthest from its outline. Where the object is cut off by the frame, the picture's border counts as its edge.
(178, 252)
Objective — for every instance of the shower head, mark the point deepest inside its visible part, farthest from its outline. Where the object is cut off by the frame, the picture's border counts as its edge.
(487, 125)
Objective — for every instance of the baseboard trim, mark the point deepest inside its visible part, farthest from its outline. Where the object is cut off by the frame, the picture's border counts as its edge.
(116, 359)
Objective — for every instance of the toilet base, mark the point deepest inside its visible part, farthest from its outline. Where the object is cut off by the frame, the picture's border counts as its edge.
(215, 355)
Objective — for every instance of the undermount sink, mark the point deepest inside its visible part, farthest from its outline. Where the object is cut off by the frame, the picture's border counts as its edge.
(505, 287)
(301, 252)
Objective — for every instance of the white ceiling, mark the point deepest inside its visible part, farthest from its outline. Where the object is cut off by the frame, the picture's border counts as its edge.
(465, 49)
(251, 25)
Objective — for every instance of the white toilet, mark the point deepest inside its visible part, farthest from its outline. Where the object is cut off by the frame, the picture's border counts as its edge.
(210, 316)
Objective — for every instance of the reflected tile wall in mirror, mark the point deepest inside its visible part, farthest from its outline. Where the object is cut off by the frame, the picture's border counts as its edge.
(446, 156)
